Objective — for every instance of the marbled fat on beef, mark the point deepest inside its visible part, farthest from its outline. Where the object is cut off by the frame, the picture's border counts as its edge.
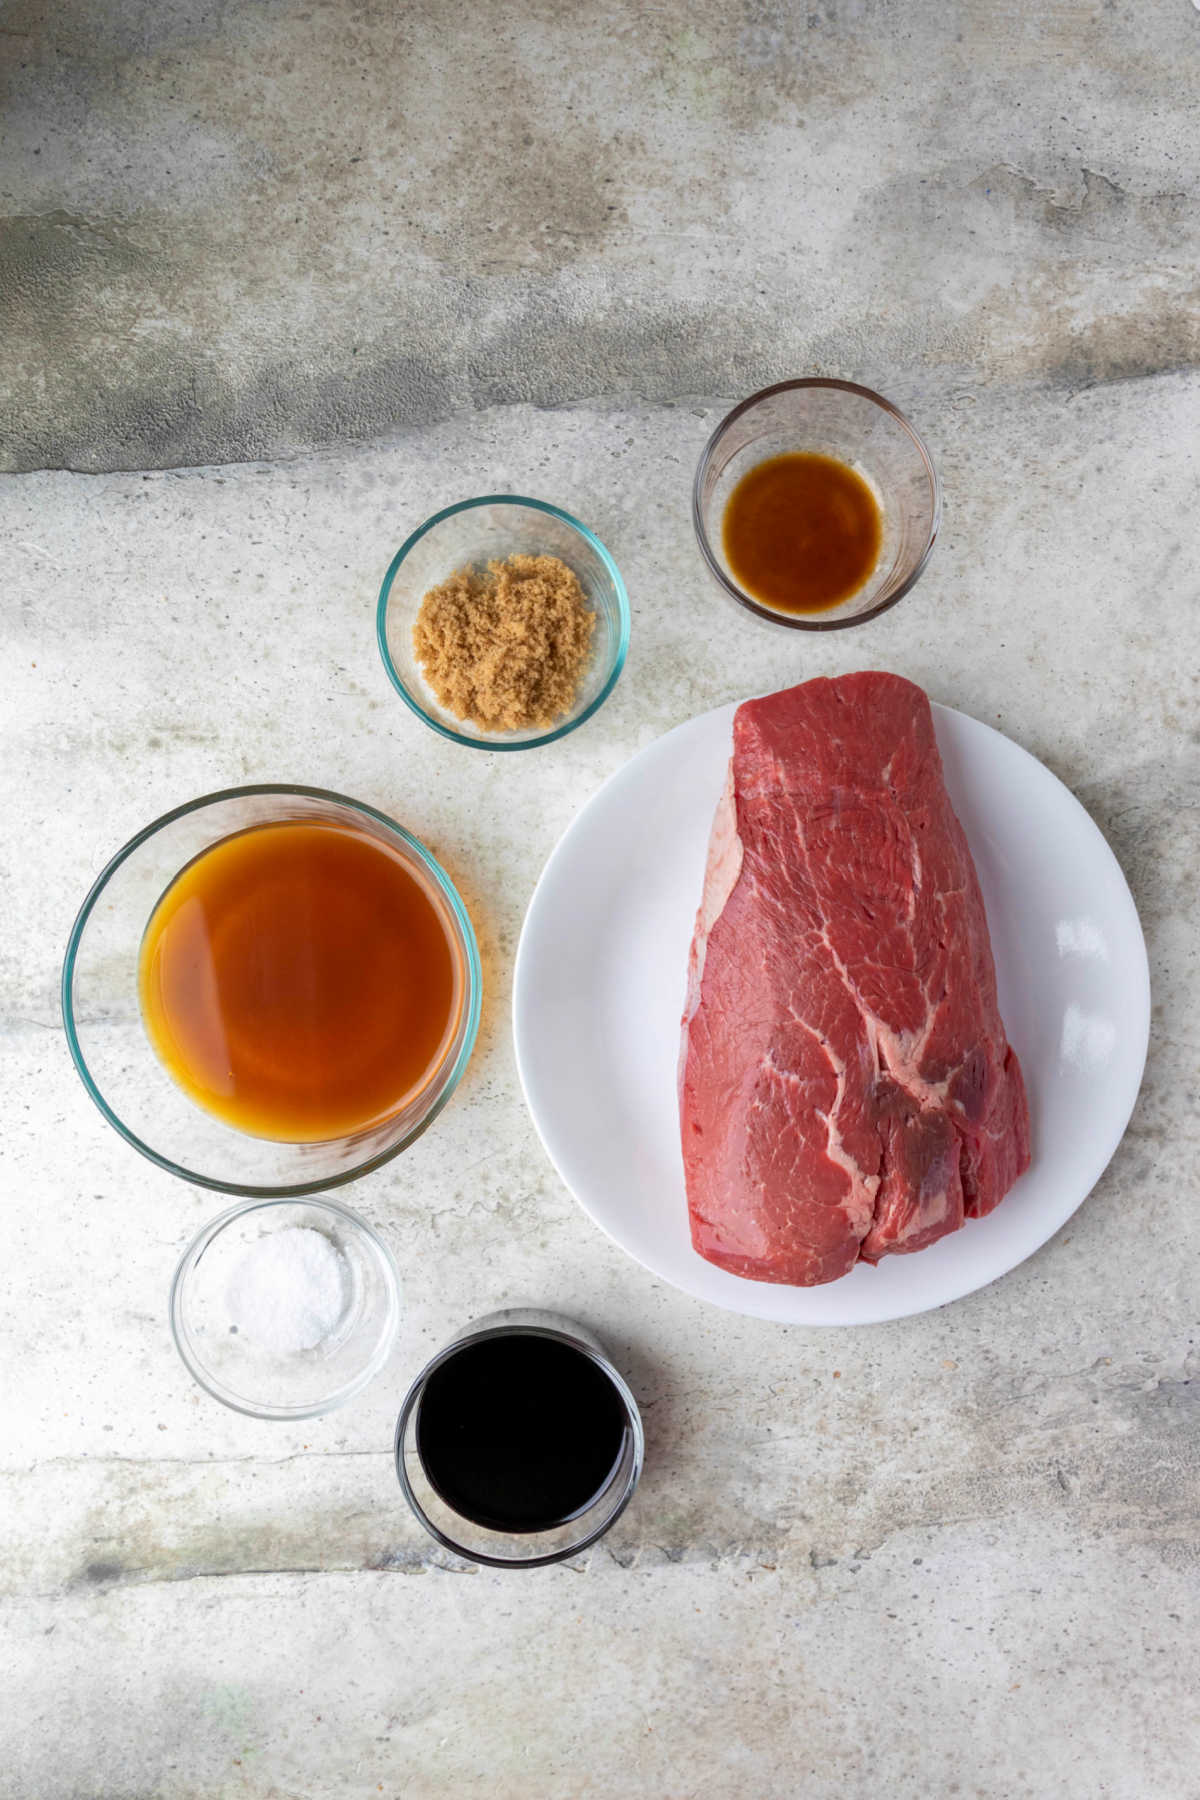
(847, 1091)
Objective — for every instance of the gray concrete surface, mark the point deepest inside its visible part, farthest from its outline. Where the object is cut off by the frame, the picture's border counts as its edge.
(950, 1556)
(241, 230)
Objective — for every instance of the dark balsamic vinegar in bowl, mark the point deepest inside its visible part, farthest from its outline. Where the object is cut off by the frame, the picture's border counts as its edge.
(520, 1431)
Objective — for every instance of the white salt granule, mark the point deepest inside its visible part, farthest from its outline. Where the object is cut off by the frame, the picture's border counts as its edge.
(288, 1290)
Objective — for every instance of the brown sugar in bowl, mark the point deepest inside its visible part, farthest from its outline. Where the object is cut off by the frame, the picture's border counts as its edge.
(496, 528)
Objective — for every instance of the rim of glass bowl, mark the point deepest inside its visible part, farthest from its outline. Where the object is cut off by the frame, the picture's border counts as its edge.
(216, 1389)
(473, 997)
(410, 699)
(632, 1413)
(796, 621)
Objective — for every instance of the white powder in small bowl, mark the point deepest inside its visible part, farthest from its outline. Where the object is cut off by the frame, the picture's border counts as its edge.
(289, 1290)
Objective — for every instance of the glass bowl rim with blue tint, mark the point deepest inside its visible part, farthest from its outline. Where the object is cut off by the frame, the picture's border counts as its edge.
(410, 699)
(472, 998)
(835, 620)
(217, 1389)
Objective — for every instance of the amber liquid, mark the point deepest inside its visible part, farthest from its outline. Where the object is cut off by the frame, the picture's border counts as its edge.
(299, 981)
(802, 532)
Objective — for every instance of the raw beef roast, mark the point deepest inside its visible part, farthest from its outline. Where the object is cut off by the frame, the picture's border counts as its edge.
(846, 1087)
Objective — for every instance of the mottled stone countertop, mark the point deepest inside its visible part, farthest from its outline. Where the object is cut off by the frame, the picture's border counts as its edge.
(276, 281)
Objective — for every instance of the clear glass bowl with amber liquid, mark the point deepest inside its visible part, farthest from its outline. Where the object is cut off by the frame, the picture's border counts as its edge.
(272, 990)
(816, 504)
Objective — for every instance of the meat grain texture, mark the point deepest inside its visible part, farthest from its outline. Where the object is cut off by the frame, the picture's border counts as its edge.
(847, 1091)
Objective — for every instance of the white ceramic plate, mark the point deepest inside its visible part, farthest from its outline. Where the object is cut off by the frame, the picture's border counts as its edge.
(599, 991)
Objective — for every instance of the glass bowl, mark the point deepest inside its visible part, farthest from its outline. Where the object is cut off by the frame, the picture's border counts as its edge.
(858, 427)
(209, 1324)
(474, 533)
(527, 1549)
(116, 1060)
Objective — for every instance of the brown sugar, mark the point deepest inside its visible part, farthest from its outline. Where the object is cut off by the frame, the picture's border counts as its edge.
(506, 648)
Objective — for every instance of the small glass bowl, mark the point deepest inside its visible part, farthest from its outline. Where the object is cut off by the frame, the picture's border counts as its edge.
(114, 1056)
(227, 1362)
(858, 427)
(472, 534)
(527, 1549)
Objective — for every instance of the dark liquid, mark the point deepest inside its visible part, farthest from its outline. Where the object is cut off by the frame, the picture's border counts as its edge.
(802, 532)
(519, 1432)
